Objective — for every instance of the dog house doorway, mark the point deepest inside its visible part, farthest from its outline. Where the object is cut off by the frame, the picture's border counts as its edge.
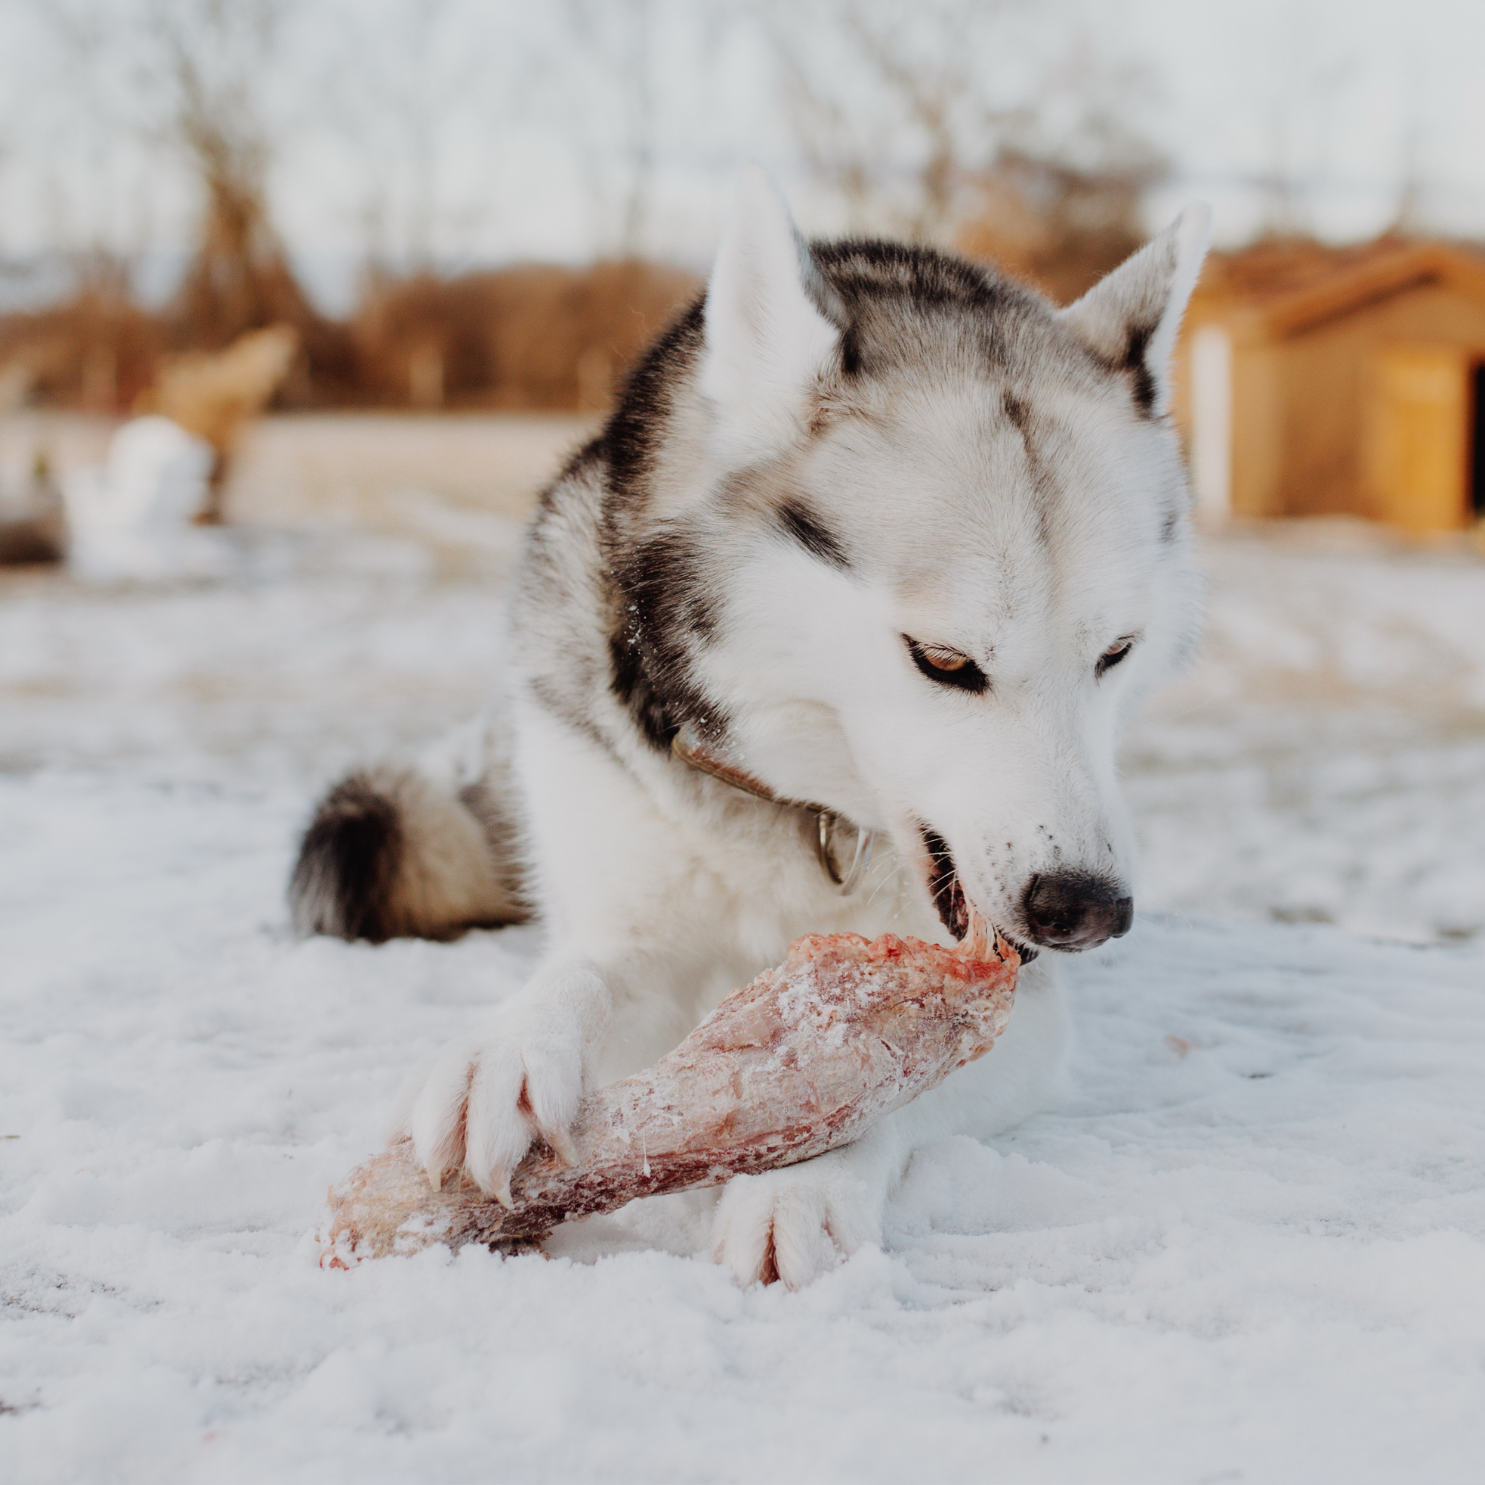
(1477, 440)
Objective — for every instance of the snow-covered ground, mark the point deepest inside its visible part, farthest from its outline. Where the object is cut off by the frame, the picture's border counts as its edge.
(1249, 1244)
(1325, 761)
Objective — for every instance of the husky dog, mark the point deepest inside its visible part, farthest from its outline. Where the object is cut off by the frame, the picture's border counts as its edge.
(875, 553)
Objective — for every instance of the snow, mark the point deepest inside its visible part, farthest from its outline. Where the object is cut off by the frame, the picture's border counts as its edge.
(1248, 1243)
(1326, 760)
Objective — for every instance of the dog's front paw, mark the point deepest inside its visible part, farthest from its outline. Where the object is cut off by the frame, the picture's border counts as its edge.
(793, 1224)
(485, 1097)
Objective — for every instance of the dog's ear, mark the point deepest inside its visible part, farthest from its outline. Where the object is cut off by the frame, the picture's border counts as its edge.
(1130, 318)
(767, 340)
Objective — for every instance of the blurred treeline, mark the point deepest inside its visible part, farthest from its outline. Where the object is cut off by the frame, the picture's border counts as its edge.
(984, 125)
(529, 337)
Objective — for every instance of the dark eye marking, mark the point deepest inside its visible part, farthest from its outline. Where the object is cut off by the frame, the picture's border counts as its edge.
(812, 534)
(947, 667)
(1116, 652)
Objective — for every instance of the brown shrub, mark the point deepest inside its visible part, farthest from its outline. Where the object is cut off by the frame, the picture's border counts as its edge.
(101, 351)
(534, 337)
(538, 336)
(94, 352)
(1058, 228)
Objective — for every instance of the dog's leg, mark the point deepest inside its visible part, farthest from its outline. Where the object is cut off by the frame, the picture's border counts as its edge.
(794, 1224)
(619, 896)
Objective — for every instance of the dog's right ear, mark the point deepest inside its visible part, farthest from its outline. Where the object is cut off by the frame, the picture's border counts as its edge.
(1130, 318)
(767, 341)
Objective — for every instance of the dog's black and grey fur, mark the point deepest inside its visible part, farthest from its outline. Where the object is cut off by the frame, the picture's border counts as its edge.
(880, 529)
(597, 546)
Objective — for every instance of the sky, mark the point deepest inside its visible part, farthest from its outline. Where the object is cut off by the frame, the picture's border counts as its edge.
(490, 131)
(1350, 92)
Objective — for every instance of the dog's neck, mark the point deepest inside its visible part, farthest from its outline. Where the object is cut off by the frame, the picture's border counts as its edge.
(688, 747)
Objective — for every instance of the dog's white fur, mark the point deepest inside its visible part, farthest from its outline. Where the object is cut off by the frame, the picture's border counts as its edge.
(1032, 540)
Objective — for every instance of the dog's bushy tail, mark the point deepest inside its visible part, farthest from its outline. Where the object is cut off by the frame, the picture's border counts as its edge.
(390, 854)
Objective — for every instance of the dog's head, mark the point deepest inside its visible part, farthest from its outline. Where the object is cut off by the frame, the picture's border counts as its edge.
(938, 530)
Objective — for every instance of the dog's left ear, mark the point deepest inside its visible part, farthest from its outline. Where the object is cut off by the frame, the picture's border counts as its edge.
(767, 341)
(1130, 318)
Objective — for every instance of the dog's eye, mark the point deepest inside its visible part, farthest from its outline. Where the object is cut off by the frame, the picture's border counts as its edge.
(1113, 655)
(947, 667)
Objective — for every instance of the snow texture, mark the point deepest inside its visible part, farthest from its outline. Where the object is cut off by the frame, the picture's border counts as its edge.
(1248, 1243)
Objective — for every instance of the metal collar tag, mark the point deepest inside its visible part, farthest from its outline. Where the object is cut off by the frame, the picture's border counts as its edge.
(687, 746)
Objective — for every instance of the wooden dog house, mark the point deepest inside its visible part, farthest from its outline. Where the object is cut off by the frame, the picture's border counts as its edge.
(1318, 381)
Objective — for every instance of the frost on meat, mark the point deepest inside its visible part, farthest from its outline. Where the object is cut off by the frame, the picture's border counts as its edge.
(806, 1058)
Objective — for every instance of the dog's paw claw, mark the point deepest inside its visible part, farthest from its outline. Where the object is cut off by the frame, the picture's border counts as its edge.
(789, 1226)
(486, 1098)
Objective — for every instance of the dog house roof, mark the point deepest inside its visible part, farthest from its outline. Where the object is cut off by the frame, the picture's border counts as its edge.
(1278, 289)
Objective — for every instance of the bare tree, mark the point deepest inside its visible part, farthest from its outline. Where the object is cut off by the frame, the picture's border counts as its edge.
(635, 96)
(916, 116)
(212, 57)
(892, 105)
(190, 77)
(1410, 213)
(80, 124)
(636, 64)
(1302, 85)
(401, 95)
(615, 124)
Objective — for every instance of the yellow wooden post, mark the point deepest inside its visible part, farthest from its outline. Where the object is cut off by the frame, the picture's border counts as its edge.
(1416, 441)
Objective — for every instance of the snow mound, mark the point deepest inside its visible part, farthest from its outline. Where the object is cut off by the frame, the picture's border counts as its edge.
(132, 519)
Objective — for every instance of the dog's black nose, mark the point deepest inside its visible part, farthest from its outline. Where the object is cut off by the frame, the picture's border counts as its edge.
(1076, 910)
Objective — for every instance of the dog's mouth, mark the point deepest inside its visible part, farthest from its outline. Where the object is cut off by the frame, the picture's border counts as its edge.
(948, 896)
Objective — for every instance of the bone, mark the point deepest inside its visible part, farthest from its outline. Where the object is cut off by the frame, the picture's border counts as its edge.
(805, 1059)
